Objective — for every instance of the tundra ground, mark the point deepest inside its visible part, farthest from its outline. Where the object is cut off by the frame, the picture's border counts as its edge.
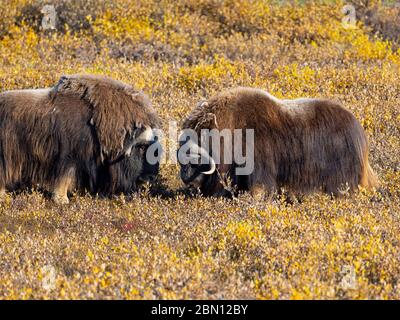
(164, 244)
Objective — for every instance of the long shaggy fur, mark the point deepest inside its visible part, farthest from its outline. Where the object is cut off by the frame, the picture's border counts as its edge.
(115, 107)
(301, 145)
(66, 136)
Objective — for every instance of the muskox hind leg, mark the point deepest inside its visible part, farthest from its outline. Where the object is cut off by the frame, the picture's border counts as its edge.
(63, 184)
(2, 193)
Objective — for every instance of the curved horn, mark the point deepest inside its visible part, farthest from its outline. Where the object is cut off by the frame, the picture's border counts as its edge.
(203, 153)
(146, 136)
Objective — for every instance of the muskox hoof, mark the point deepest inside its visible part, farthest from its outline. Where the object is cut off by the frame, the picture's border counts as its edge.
(60, 199)
(258, 192)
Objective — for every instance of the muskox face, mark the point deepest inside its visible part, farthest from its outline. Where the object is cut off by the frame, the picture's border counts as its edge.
(139, 163)
(197, 166)
(216, 161)
(145, 155)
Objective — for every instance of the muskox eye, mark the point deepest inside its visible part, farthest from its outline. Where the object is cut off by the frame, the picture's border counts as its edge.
(141, 148)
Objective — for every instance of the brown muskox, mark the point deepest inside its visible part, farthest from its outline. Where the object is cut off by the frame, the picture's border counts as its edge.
(86, 133)
(300, 145)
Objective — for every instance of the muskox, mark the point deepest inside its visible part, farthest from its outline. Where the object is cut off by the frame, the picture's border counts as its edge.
(86, 133)
(299, 145)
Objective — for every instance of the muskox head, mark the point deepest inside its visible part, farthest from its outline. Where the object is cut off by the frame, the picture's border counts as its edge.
(137, 164)
(142, 151)
(197, 165)
(196, 155)
(215, 155)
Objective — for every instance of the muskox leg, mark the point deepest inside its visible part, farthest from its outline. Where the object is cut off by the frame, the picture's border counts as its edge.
(2, 188)
(262, 191)
(262, 183)
(368, 177)
(258, 191)
(64, 183)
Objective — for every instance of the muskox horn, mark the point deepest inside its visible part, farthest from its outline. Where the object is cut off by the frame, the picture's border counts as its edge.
(196, 151)
(146, 136)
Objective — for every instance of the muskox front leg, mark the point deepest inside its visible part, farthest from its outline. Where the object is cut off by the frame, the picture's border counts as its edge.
(262, 183)
(2, 188)
(2, 193)
(263, 189)
(64, 183)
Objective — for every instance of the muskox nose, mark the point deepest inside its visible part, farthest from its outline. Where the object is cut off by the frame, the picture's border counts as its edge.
(147, 178)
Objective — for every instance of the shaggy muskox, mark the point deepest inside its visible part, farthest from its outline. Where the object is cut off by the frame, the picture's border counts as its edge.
(86, 133)
(300, 145)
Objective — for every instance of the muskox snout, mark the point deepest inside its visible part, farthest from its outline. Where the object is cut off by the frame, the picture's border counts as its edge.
(192, 175)
(187, 174)
(149, 173)
(148, 178)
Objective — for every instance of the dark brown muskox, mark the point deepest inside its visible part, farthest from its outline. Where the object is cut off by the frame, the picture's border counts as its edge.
(300, 145)
(87, 133)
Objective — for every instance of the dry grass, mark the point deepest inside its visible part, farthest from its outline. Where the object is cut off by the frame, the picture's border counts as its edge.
(171, 245)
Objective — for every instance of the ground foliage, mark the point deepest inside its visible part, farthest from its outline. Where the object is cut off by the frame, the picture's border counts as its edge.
(164, 243)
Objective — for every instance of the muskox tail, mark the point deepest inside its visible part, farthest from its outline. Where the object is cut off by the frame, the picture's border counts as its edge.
(369, 178)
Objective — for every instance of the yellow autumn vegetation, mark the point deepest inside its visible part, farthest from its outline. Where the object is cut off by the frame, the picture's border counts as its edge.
(167, 245)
